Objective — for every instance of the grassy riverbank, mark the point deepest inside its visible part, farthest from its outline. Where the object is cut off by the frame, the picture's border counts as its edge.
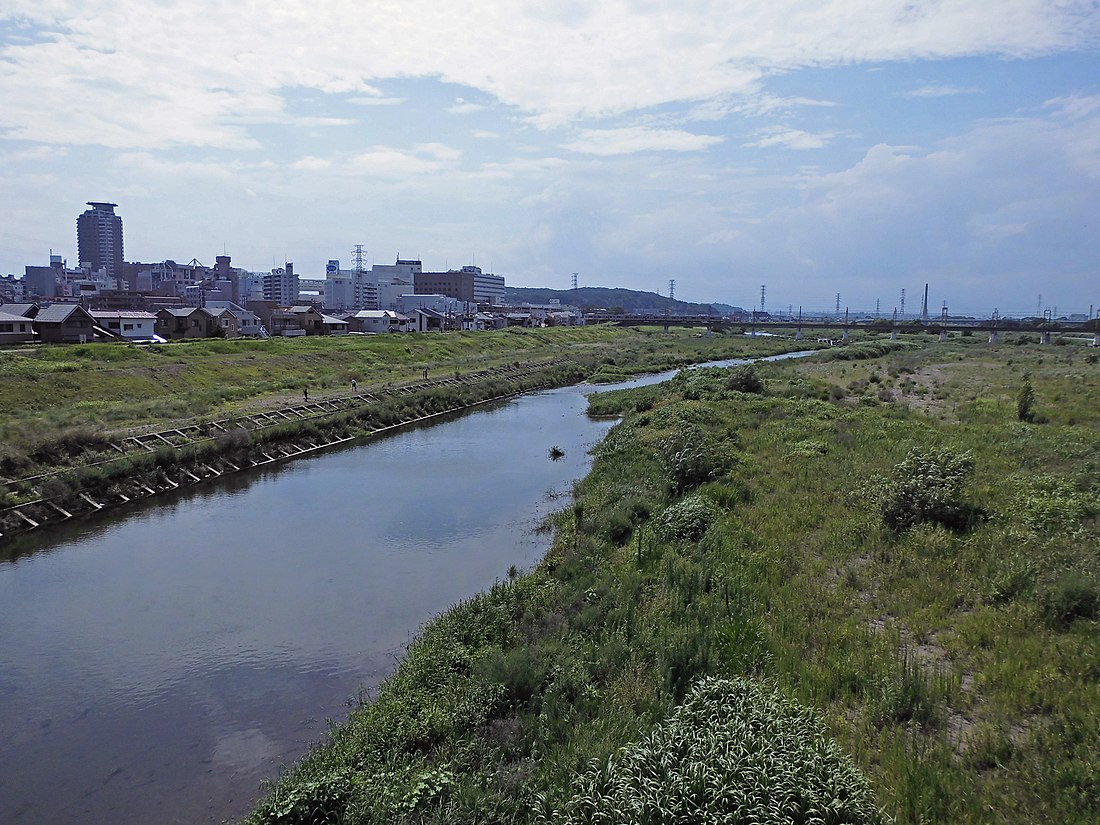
(57, 401)
(889, 562)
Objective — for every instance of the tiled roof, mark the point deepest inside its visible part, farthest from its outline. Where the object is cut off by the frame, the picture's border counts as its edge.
(182, 312)
(17, 309)
(56, 313)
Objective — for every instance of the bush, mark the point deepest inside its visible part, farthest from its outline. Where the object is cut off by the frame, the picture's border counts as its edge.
(734, 751)
(687, 520)
(745, 379)
(694, 458)
(928, 486)
(1071, 596)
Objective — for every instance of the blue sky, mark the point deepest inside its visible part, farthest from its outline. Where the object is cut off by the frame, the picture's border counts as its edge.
(814, 146)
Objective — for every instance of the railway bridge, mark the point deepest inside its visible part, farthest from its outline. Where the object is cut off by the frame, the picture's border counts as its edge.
(994, 326)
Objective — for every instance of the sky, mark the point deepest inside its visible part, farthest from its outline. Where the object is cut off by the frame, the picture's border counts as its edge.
(816, 148)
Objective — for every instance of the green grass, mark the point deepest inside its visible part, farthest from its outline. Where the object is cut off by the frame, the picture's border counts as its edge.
(67, 393)
(732, 542)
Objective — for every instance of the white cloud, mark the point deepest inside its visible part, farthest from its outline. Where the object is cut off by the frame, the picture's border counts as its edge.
(940, 91)
(791, 139)
(1074, 107)
(311, 164)
(377, 101)
(178, 74)
(639, 139)
(465, 107)
(396, 164)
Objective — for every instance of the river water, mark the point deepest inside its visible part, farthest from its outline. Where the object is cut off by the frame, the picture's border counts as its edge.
(157, 665)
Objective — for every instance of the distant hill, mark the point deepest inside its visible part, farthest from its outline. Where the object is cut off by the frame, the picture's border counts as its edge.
(728, 309)
(598, 297)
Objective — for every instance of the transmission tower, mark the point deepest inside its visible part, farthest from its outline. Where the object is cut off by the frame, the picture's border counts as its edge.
(573, 280)
(876, 307)
(763, 292)
(672, 289)
(903, 303)
(838, 303)
(357, 257)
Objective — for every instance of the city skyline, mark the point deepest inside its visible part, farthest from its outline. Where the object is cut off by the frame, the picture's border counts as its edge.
(858, 148)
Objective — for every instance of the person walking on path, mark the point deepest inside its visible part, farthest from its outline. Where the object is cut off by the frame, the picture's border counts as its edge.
(354, 385)
(305, 394)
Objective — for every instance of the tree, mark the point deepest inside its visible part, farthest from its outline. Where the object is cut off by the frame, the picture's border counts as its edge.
(1025, 400)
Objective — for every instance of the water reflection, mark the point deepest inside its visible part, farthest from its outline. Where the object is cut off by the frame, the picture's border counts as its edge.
(155, 665)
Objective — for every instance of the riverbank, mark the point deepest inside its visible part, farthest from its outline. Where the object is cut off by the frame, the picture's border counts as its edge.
(79, 471)
(893, 542)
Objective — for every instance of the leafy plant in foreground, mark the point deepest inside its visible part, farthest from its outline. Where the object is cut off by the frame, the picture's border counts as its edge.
(734, 751)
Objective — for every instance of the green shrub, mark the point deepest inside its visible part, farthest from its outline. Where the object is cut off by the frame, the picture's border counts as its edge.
(928, 486)
(1071, 596)
(1050, 502)
(745, 379)
(694, 457)
(734, 751)
(687, 520)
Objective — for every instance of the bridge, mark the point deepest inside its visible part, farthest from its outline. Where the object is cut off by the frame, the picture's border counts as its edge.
(993, 325)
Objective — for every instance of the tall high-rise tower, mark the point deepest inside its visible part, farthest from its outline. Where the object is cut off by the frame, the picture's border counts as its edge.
(99, 238)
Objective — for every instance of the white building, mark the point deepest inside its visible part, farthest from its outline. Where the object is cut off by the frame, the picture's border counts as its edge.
(376, 288)
(404, 269)
(378, 321)
(444, 305)
(281, 285)
(131, 325)
(311, 290)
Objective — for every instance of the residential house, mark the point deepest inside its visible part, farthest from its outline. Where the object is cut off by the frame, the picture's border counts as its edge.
(248, 322)
(378, 321)
(334, 325)
(428, 320)
(64, 324)
(226, 323)
(15, 329)
(26, 310)
(521, 319)
(176, 323)
(297, 320)
(132, 325)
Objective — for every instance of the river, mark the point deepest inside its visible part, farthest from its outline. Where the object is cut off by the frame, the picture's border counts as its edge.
(156, 665)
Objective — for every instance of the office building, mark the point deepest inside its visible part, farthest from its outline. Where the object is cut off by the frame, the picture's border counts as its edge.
(468, 284)
(99, 238)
